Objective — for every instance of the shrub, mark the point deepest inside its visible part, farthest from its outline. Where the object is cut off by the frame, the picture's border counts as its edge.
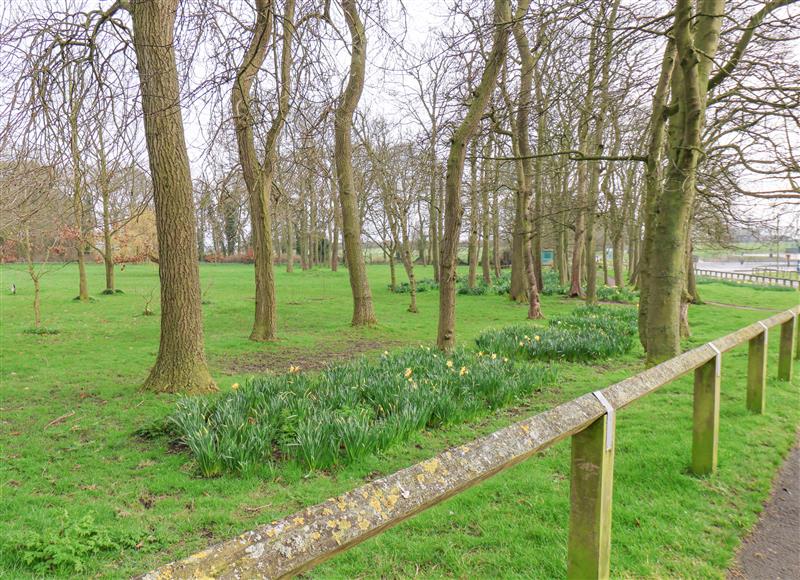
(423, 285)
(67, 549)
(617, 294)
(347, 411)
(588, 333)
(41, 330)
(551, 284)
(499, 285)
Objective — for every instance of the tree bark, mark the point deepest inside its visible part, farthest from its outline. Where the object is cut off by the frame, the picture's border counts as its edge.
(696, 42)
(472, 240)
(525, 175)
(77, 190)
(257, 174)
(363, 311)
(181, 363)
(485, 213)
(652, 182)
(446, 334)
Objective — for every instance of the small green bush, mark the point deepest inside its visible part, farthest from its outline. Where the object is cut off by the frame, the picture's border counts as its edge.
(617, 294)
(588, 333)
(423, 285)
(42, 331)
(551, 285)
(498, 286)
(67, 549)
(348, 411)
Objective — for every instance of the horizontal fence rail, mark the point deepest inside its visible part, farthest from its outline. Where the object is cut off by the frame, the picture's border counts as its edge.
(302, 540)
(750, 278)
(777, 273)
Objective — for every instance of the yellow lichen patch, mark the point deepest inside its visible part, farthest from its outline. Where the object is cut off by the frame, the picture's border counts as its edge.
(431, 465)
(316, 536)
(270, 533)
(341, 504)
(391, 500)
(420, 478)
(327, 511)
(375, 503)
(364, 494)
(298, 521)
(363, 524)
(525, 428)
(344, 525)
(330, 524)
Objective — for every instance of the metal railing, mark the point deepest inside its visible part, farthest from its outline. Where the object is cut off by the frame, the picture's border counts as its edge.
(302, 540)
(750, 278)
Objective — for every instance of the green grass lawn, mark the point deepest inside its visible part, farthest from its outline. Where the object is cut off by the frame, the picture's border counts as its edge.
(148, 499)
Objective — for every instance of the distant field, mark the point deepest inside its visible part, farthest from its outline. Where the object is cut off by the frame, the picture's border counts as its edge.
(70, 406)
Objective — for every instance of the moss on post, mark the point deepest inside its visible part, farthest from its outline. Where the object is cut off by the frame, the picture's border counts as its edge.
(785, 352)
(705, 434)
(589, 546)
(757, 374)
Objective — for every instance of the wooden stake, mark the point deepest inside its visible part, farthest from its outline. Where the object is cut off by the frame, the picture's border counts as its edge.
(757, 374)
(786, 350)
(589, 545)
(705, 434)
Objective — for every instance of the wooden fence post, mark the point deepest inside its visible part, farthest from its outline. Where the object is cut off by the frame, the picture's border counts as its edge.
(786, 351)
(757, 373)
(592, 476)
(797, 338)
(705, 433)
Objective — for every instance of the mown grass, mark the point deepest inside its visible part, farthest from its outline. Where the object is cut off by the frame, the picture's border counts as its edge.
(70, 408)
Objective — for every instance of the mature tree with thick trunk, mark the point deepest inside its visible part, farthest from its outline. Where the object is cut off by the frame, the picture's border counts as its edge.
(181, 363)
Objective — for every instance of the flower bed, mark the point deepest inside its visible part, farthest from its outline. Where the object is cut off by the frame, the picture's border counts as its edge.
(348, 411)
(588, 333)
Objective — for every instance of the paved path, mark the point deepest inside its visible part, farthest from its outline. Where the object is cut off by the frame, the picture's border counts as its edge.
(772, 550)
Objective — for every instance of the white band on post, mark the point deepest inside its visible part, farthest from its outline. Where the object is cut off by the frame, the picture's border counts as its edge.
(612, 418)
(718, 359)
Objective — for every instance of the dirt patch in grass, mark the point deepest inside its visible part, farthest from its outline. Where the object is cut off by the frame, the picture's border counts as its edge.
(280, 360)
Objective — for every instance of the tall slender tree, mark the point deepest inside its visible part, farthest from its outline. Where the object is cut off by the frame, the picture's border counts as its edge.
(363, 311)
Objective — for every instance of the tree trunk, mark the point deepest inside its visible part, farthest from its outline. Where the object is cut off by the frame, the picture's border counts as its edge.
(435, 209)
(77, 190)
(696, 42)
(289, 243)
(446, 335)
(363, 312)
(258, 175)
(652, 181)
(485, 214)
(618, 249)
(525, 175)
(392, 271)
(472, 241)
(496, 226)
(608, 25)
(181, 363)
(37, 302)
(335, 234)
